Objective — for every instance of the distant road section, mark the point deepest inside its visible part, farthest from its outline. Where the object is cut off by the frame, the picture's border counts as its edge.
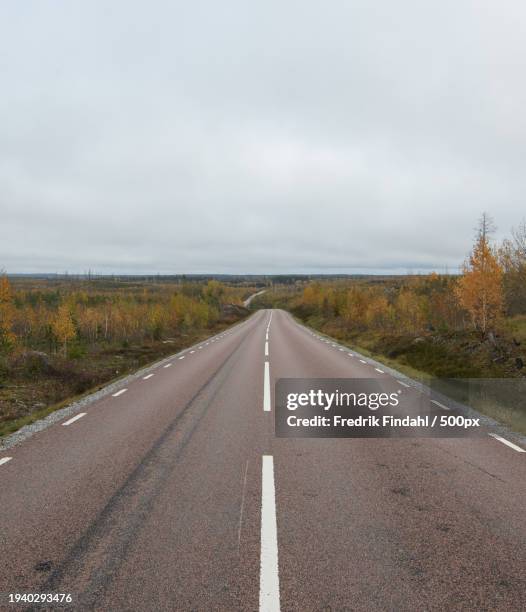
(246, 303)
(173, 493)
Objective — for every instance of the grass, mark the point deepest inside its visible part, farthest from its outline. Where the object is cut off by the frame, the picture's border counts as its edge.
(444, 372)
(129, 361)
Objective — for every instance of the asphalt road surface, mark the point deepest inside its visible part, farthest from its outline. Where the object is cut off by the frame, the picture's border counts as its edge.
(173, 493)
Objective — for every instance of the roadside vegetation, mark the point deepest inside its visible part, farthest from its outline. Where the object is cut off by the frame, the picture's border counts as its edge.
(61, 338)
(468, 326)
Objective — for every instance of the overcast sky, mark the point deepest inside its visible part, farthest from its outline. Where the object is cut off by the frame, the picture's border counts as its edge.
(254, 137)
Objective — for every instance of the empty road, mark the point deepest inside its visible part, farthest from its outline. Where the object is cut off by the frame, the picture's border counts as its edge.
(173, 493)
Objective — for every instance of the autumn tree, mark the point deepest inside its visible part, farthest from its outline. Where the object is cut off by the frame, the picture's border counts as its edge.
(355, 309)
(479, 290)
(63, 326)
(7, 311)
(410, 309)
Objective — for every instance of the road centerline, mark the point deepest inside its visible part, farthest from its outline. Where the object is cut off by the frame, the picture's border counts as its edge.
(269, 569)
(266, 388)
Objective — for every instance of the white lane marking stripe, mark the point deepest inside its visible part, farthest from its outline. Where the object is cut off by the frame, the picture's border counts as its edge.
(341, 349)
(378, 370)
(75, 418)
(403, 383)
(120, 392)
(440, 405)
(508, 443)
(266, 349)
(5, 460)
(266, 388)
(350, 354)
(268, 569)
(168, 365)
(182, 357)
(362, 361)
(147, 376)
(192, 352)
(199, 347)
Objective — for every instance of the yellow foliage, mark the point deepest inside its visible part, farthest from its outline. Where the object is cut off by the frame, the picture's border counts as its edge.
(63, 326)
(479, 291)
(7, 337)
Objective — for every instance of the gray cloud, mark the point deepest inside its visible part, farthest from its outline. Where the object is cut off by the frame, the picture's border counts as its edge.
(257, 137)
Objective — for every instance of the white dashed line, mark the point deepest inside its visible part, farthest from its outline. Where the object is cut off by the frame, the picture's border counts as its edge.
(362, 361)
(147, 376)
(181, 357)
(440, 405)
(266, 388)
(199, 347)
(266, 349)
(75, 418)
(5, 460)
(269, 571)
(192, 352)
(120, 392)
(350, 354)
(168, 365)
(341, 349)
(508, 443)
(403, 383)
(378, 370)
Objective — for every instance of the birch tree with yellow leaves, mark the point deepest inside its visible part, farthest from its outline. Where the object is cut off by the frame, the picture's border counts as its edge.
(63, 327)
(7, 311)
(479, 291)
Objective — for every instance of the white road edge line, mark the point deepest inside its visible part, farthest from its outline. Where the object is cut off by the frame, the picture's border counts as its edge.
(268, 569)
(266, 388)
(440, 405)
(75, 418)
(119, 392)
(5, 460)
(147, 376)
(508, 443)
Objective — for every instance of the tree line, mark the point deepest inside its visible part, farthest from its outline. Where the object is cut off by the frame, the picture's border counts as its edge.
(92, 313)
(492, 285)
